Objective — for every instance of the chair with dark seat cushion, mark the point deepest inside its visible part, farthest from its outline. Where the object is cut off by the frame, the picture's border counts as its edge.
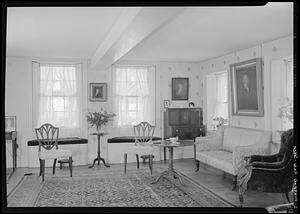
(270, 173)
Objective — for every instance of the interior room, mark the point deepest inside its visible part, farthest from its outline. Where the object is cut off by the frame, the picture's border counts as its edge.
(150, 107)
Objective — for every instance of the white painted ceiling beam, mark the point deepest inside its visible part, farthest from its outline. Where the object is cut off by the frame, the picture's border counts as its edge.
(132, 27)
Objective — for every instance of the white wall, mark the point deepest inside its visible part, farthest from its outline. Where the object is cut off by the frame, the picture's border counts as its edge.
(269, 51)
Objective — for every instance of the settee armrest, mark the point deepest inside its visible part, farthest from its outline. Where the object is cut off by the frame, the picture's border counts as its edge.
(240, 152)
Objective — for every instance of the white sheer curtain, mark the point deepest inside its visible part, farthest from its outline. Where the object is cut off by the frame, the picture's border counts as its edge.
(221, 109)
(59, 97)
(134, 95)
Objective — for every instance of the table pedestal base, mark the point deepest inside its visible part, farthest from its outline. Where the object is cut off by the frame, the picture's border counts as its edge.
(99, 158)
(170, 175)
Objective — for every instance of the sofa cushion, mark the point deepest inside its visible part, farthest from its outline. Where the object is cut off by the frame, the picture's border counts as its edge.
(235, 136)
(219, 159)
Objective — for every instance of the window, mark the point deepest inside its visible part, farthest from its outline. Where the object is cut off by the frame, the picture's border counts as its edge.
(216, 98)
(222, 93)
(59, 97)
(282, 93)
(134, 94)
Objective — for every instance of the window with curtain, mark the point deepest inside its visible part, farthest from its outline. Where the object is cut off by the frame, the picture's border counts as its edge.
(282, 93)
(217, 98)
(134, 95)
(59, 97)
(289, 90)
(221, 109)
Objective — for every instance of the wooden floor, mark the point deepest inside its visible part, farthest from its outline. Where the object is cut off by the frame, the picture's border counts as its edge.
(213, 179)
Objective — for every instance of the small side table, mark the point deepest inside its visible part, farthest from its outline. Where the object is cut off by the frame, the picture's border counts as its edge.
(170, 173)
(99, 158)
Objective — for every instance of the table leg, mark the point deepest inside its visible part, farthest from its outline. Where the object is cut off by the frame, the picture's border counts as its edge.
(161, 175)
(170, 173)
(99, 158)
(105, 164)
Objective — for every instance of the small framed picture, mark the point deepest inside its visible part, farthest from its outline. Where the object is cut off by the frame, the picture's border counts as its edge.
(180, 88)
(10, 124)
(166, 103)
(98, 92)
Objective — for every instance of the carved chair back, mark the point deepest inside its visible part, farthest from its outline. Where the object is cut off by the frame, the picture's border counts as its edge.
(143, 133)
(47, 136)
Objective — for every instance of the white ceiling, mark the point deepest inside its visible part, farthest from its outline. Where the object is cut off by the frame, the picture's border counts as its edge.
(202, 33)
(58, 31)
(195, 34)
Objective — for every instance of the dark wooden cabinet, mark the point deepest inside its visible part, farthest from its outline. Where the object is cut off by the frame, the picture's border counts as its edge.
(186, 123)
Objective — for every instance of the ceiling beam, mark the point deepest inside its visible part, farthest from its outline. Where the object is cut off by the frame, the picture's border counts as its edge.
(133, 26)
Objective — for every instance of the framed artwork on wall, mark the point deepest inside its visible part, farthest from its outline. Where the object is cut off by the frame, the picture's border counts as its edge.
(98, 92)
(247, 88)
(180, 88)
(167, 103)
(10, 123)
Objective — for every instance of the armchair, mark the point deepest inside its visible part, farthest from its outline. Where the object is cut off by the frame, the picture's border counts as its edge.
(270, 173)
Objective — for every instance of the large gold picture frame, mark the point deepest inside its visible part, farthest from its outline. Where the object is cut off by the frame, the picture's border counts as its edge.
(246, 80)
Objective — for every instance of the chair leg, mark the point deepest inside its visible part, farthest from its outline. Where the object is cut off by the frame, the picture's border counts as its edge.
(70, 165)
(125, 162)
(287, 197)
(54, 164)
(198, 165)
(43, 169)
(150, 163)
(137, 161)
(234, 182)
(40, 167)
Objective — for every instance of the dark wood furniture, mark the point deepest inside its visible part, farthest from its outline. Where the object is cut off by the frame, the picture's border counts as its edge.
(63, 161)
(186, 123)
(271, 173)
(13, 137)
(171, 173)
(99, 158)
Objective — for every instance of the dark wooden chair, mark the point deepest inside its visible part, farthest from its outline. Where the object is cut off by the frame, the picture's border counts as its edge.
(270, 173)
(47, 136)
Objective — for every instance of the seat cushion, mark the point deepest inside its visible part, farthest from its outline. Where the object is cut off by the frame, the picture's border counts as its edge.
(54, 153)
(219, 159)
(141, 150)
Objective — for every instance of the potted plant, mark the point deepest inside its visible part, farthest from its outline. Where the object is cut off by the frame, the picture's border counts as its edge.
(98, 119)
(218, 121)
(286, 111)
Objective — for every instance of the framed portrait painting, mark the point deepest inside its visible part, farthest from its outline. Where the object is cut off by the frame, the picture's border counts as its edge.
(98, 92)
(10, 124)
(180, 88)
(247, 88)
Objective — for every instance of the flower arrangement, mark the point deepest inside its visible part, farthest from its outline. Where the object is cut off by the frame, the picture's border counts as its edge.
(99, 119)
(219, 121)
(286, 111)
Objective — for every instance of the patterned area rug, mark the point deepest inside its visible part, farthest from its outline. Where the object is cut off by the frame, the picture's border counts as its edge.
(111, 189)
